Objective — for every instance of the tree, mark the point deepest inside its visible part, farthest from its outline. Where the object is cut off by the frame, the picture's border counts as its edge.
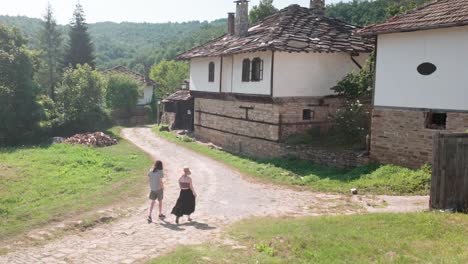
(19, 111)
(80, 48)
(264, 9)
(169, 76)
(51, 43)
(122, 92)
(81, 98)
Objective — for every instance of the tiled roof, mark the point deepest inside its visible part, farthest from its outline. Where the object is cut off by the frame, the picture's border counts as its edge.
(437, 14)
(180, 95)
(293, 29)
(124, 70)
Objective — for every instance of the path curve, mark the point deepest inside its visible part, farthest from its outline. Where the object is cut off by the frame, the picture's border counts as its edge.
(224, 197)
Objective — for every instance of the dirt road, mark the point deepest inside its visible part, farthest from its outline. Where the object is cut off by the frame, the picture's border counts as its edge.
(224, 197)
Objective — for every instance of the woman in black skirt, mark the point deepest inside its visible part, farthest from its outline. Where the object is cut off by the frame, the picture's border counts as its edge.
(186, 203)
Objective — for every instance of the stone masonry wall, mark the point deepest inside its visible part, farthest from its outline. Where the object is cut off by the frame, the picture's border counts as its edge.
(291, 114)
(226, 124)
(400, 137)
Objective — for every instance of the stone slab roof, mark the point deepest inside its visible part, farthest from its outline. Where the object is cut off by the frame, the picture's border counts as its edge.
(437, 14)
(137, 76)
(293, 29)
(180, 95)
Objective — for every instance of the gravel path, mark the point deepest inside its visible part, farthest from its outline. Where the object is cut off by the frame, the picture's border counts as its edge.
(224, 197)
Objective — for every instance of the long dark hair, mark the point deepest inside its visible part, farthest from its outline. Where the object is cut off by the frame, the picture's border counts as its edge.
(158, 166)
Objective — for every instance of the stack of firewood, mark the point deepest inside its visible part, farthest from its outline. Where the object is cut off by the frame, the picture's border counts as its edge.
(97, 139)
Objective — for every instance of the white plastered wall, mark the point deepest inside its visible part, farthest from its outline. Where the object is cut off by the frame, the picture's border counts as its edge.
(262, 87)
(199, 74)
(311, 74)
(398, 84)
(147, 96)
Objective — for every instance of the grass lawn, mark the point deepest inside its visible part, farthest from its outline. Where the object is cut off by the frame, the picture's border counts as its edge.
(371, 179)
(372, 238)
(50, 182)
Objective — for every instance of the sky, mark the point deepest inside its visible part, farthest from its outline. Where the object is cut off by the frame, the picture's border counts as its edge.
(151, 11)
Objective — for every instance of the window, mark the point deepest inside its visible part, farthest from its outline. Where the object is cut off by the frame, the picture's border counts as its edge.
(246, 70)
(436, 120)
(211, 72)
(426, 68)
(307, 114)
(257, 70)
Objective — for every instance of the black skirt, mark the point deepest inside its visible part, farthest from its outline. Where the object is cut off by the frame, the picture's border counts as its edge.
(185, 204)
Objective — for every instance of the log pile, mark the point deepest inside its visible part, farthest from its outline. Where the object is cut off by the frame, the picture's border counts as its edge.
(97, 139)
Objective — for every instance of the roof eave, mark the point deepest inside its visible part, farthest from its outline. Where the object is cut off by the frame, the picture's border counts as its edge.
(412, 29)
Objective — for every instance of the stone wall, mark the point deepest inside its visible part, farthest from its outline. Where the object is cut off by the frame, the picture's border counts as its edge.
(260, 130)
(168, 118)
(399, 136)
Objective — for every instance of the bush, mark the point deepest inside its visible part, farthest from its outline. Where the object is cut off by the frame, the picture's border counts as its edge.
(122, 92)
(351, 123)
(81, 98)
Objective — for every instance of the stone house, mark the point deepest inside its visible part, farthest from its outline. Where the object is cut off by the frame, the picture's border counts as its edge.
(421, 81)
(178, 109)
(148, 84)
(255, 86)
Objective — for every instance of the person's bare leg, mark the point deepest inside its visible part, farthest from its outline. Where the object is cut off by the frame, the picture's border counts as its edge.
(160, 207)
(151, 208)
(189, 219)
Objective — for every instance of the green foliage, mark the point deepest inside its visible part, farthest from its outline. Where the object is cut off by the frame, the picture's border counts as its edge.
(352, 121)
(365, 12)
(52, 182)
(50, 38)
(81, 98)
(19, 111)
(264, 9)
(122, 92)
(372, 179)
(264, 248)
(51, 117)
(169, 76)
(137, 46)
(80, 49)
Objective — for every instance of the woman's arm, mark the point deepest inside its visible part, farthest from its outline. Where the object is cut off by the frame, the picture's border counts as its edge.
(191, 188)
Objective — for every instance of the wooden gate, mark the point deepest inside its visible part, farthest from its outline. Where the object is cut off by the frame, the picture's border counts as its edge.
(449, 184)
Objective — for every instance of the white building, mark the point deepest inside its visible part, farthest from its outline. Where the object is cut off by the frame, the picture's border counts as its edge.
(421, 84)
(256, 86)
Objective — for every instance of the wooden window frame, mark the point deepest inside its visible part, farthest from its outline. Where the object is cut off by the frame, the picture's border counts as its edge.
(257, 70)
(246, 69)
(211, 72)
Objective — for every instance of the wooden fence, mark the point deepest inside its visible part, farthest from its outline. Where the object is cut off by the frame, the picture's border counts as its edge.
(449, 184)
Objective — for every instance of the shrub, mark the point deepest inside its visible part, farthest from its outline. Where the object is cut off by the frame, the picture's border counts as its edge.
(351, 123)
(122, 92)
(81, 98)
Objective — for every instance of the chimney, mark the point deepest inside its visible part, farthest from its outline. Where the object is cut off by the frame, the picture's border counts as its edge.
(318, 6)
(231, 22)
(242, 18)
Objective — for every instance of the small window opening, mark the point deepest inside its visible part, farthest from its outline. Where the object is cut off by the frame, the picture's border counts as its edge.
(257, 70)
(426, 68)
(246, 70)
(307, 114)
(211, 72)
(436, 120)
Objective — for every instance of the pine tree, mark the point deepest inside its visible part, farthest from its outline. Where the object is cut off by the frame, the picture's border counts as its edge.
(51, 43)
(262, 10)
(80, 49)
